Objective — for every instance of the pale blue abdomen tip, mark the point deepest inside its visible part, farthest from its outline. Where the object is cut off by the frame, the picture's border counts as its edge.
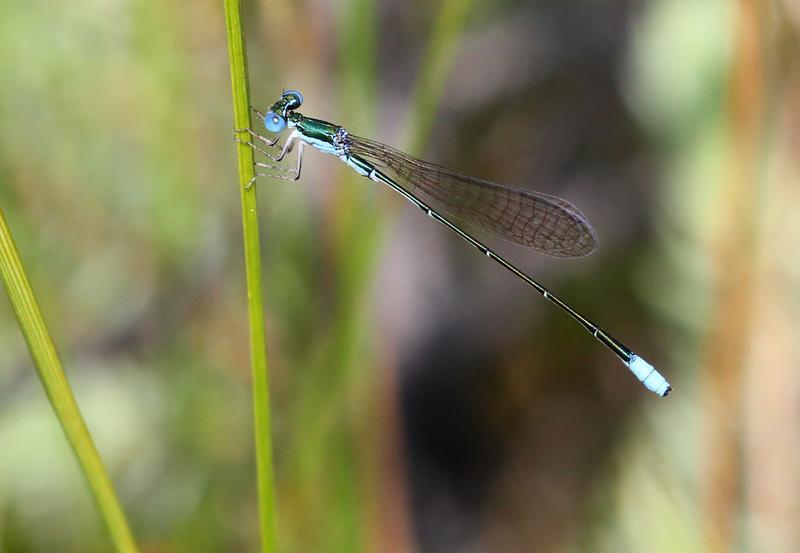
(649, 376)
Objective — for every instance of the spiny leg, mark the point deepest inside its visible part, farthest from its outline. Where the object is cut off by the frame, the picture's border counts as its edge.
(264, 139)
(260, 115)
(292, 170)
(287, 147)
(260, 138)
(255, 147)
(299, 161)
(295, 171)
(271, 176)
(256, 175)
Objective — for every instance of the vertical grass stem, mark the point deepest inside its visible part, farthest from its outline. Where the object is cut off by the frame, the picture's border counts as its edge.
(258, 350)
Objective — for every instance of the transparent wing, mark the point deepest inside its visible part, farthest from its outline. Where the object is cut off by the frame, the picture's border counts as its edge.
(540, 221)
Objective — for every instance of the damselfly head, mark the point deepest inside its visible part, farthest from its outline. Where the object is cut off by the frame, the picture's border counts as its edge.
(275, 119)
(293, 99)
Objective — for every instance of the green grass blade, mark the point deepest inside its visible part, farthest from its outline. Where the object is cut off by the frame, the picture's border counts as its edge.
(357, 31)
(438, 58)
(258, 348)
(51, 373)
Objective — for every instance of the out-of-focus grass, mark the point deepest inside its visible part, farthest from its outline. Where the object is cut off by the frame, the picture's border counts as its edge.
(434, 71)
(646, 505)
(716, 116)
(333, 471)
(58, 389)
(102, 178)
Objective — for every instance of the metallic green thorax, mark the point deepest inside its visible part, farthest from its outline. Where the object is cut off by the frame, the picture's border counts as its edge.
(313, 128)
(316, 129)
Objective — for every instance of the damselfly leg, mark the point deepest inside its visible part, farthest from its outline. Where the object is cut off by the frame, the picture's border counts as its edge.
(262, 139)
(295, 171)
(290, 173)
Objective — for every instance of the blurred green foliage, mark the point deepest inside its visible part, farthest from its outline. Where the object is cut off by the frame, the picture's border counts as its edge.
(421, 400)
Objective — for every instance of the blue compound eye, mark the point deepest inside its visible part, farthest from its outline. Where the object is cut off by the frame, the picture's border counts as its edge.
(274, 122)
(294, 97)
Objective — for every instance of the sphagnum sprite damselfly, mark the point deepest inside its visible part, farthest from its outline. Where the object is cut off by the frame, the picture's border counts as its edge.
(540, 221)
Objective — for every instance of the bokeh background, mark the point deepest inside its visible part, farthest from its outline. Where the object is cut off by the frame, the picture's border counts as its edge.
(423, 399)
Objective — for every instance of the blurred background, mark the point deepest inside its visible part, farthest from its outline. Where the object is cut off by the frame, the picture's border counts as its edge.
(423, 399)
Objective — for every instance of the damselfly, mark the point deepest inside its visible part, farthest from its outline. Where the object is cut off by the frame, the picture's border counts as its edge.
(540, 221)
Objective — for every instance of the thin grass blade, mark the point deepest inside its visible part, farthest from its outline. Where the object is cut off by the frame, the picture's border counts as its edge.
(58, 390)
